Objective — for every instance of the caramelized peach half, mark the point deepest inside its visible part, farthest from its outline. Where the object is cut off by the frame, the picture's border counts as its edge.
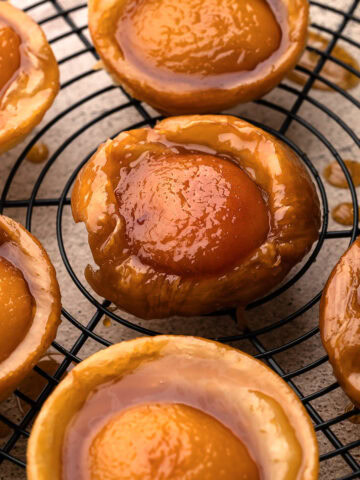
(29, 303)
(340, 321)
(29, 75)
(9, 53)
(202, 56)
(197, 214)
(172, 408)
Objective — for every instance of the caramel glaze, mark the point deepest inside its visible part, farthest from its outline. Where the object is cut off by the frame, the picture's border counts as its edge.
(331, 71)
(152, 283)
(107, 322)
(16, 312)
(29, 334)
(166, 36)
(355, 419)
(198, 55)
(30, 81)
(9, 54)
(340, 321)
(180, 379)
(195, 214)
(335, 176)
(39, 153)
(344, 213)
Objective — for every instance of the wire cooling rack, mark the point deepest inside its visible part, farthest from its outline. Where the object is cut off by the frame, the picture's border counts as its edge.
(340, 452)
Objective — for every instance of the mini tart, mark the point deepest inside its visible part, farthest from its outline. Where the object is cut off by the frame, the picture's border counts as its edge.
(168, 241)
(30, 303)
(233, 387)
(340, 321)
(202, 57)
(29, 75)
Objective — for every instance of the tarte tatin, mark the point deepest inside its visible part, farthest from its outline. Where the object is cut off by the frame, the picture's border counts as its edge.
(172, 408)
(198, 56)
(29, 303)
(340, 321)
(198, 214)
(29, 75)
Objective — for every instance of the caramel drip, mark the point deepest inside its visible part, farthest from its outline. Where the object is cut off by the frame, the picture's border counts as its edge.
(38, 154)
(107, 322)
(331, 71)
(99, 65)
(344, 213)
(335, 176)
(355, 419)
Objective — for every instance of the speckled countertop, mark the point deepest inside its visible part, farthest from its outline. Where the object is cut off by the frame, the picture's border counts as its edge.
(98, 115)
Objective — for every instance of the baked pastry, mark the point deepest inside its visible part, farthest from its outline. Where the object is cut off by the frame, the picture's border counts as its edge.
(172, 408)
(29, 75)
(198, 57)
(29, 303)
(340, 321)
(198, 214)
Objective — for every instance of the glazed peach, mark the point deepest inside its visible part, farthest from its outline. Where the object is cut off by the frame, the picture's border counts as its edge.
(29, 75)
(172, 408)
(197, 214)
(340, 321)
(198, 56)
(29, 303)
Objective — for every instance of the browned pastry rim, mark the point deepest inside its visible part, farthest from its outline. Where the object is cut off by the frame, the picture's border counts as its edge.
(25, 252)
(279, 432)
(30, 92)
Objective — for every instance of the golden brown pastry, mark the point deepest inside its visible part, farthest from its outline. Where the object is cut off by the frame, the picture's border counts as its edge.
(340, 321)
(29, 303)
(29, 75)
(172, 408)
(198, 56)
(197, 214)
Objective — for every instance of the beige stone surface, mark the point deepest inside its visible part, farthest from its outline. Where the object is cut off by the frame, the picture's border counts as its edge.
(77, 133)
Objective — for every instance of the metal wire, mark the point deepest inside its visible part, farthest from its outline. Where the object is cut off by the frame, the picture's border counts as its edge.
(21, 429)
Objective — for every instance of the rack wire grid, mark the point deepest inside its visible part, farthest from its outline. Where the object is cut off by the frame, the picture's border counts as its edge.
(319, 126)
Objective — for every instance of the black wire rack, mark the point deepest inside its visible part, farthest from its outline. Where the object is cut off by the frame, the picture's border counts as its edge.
(19, 430)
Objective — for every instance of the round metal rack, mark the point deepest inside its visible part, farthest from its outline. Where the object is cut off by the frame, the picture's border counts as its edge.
(20, 430)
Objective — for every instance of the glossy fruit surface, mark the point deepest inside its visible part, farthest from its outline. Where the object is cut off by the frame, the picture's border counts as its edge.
(171, 441)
